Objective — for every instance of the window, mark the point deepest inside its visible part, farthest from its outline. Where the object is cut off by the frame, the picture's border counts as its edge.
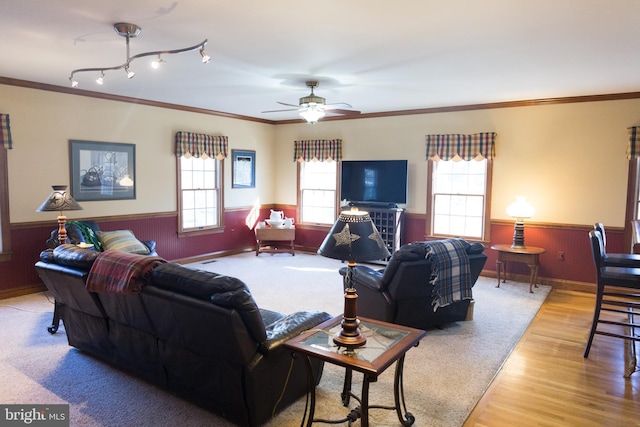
(458, 198)
(200, 194)
(318, 196)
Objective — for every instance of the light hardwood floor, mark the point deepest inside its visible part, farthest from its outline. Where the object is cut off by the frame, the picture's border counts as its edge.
(546, 381)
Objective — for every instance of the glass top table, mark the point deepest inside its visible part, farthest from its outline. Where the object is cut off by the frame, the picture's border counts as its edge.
(386, 344)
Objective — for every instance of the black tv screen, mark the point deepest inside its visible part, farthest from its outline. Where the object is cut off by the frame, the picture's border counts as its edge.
(374, 181)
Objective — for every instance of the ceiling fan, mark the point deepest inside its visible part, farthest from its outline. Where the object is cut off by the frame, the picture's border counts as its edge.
(313, 107)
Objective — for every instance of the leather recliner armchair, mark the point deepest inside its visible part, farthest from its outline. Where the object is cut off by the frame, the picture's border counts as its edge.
(402, 293)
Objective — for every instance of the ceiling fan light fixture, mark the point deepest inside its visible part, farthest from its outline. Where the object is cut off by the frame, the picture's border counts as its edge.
(312, 113)
(129, 31)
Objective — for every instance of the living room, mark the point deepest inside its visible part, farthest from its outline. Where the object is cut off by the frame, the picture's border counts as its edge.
(564, 151)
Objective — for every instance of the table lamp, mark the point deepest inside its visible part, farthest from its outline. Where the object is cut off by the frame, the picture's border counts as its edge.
(353, 238)
(519, 210)
(60, 200)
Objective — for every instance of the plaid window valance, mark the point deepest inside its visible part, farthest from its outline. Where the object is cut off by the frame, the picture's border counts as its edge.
(200, 145)
(317, 149)
(5, 132)
(467, 147)
(633, 147)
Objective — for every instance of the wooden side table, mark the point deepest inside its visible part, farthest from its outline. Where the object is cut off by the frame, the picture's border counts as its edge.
(267, 239)
(386, 343)
(529, 255)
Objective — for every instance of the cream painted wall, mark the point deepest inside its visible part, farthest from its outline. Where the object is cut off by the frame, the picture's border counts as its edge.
(43, 122)
(567, 159)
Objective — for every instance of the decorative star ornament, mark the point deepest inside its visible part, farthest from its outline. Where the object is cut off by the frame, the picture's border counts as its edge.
(345, 237)
(375, 236)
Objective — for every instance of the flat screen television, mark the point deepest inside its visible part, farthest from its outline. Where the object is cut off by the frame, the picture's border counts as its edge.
(374, 182)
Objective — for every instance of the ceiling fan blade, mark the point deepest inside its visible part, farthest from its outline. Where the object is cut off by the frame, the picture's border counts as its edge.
(344, 104)
(341, 111)
(278, 111)
(288, 105)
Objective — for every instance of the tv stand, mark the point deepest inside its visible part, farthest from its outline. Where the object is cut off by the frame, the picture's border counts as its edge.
(374, 205)
(388, 219)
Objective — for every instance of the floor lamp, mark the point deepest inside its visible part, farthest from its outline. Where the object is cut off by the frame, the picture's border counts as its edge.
(353, 238)
(58, 201)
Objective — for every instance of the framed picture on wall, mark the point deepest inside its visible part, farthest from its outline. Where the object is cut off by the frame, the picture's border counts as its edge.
(102, 170)
(243, 169)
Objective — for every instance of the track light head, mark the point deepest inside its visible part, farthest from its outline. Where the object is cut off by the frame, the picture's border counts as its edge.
(100, 80)
(74, 82)
(130, 73)
(205, 58)
(155, 64)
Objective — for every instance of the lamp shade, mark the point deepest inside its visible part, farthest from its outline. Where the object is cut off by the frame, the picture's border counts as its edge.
(59, 200)
(354, 237)
(520, 209)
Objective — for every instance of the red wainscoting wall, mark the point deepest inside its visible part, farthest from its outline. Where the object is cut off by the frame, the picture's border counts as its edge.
(18, 276)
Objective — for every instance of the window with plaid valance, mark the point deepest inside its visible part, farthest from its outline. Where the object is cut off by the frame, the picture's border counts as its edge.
(633, 147)
(317, 149)
(5, 132)
(200, 145)
(467, 147)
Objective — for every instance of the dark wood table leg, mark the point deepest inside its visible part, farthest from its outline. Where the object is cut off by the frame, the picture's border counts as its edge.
(499, 266)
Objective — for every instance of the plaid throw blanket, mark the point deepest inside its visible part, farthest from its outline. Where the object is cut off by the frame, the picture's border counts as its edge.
(450, 274)
(119, 272)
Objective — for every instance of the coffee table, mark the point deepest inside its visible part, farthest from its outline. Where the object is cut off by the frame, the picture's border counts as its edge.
(386, 343)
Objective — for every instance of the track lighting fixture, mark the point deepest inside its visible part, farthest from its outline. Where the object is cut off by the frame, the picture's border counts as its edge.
(128, 31)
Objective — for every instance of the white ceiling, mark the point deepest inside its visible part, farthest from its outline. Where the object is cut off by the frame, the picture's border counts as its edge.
(376, 55)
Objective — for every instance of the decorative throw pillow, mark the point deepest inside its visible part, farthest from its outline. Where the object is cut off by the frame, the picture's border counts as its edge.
(122, 240)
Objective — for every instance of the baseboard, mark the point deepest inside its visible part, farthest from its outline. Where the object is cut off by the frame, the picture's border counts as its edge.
(569, 285)
(25, 290)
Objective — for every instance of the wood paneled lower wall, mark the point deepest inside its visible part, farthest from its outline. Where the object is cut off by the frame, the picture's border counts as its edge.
(575, 272)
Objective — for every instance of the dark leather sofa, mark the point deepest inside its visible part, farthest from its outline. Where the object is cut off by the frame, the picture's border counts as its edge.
(402, 293)
(195, 333)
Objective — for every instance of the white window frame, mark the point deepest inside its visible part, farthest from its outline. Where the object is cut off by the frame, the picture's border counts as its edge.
(303, 199)
(217, 203)
(431, 208)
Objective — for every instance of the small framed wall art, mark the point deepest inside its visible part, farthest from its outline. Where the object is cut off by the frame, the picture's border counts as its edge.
(243, 169)
(102, 170)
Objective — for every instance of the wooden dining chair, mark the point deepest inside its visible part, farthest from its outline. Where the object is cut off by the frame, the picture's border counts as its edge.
(615, 259)
(635, 226)
(616, 292)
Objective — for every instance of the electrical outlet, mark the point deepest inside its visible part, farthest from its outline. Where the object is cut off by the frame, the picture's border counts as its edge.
(560, 256)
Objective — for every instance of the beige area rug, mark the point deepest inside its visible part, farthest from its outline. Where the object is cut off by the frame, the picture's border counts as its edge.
(444, 376)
